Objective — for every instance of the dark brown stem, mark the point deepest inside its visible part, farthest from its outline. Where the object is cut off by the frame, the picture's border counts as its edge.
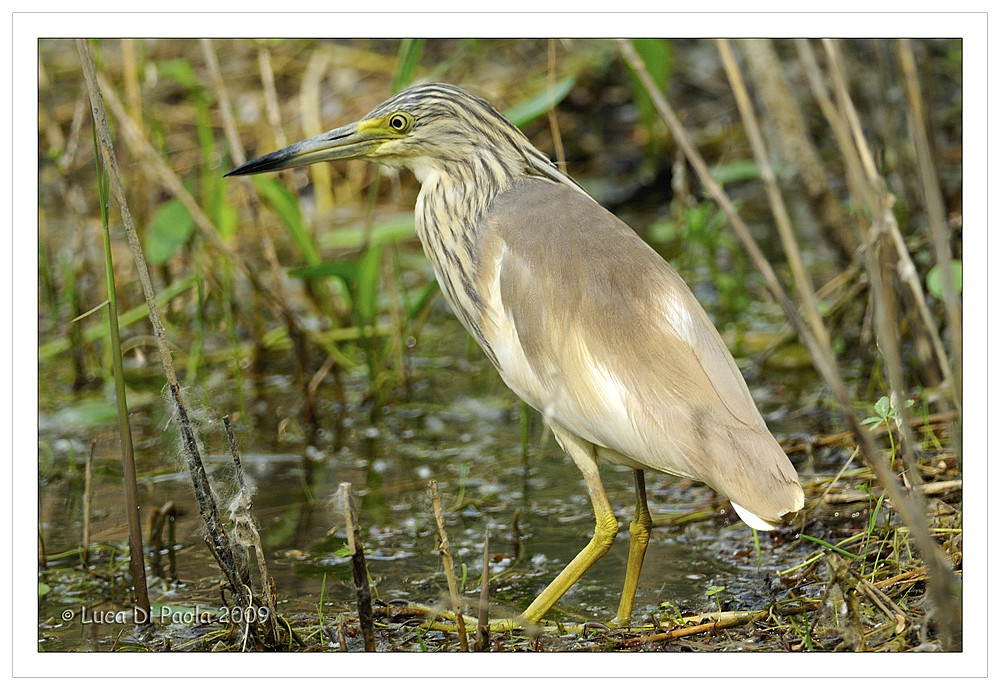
(359, 568)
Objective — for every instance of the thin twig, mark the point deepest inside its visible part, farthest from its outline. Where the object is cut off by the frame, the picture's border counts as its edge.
(928, 489)
(907, 578)
(341, 633)
(882, 601)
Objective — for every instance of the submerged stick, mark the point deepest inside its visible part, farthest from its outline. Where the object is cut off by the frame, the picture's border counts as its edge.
(449, 567)
(359, 568)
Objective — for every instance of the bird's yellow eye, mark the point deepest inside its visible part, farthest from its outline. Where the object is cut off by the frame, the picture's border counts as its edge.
(400, 122)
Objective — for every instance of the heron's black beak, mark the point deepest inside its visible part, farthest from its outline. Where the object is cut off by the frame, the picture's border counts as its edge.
(356, 140)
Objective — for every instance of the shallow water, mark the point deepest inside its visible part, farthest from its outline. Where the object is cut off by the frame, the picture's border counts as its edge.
(460, 427)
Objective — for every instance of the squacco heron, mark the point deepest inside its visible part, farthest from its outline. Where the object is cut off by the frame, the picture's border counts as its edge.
(583, 320)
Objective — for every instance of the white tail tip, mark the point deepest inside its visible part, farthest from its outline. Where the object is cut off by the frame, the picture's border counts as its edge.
(753, 520)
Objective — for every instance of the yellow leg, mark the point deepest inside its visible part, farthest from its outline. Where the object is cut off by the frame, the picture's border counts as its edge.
(582, 454)
(638, 532)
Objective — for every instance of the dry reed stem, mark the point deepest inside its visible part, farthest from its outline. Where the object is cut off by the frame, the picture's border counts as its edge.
(247, 529)
(312, 123)
(788, 123)
(557, 141)
(927, 489)
(449, 567)
(912, 514)
(217, 536)
(934, 205)
(869, 188)
(483, 629)
(880, 202)
(944, 587)
(803, 284)
(271, 107)
(225, 106)
(88, 472)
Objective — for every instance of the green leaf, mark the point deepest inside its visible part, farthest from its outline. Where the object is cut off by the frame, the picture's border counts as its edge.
(539, 104)
(935, 282)
(828, 545)
(179, 70)
(735, 171)
(663, 231)
(169, 230)
(658, 58)
(426, 293)
(367, 283)
(882, 407)
(100, 330)
(347, 271)
(90, 311)
(399, 229)
(286, 206)
(875, 513)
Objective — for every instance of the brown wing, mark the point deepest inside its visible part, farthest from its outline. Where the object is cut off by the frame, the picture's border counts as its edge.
(617, 350)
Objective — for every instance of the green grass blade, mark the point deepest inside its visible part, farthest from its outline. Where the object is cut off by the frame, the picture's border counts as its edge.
(828, 545)
(539, 104)
(410, 52)
(287, 208)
